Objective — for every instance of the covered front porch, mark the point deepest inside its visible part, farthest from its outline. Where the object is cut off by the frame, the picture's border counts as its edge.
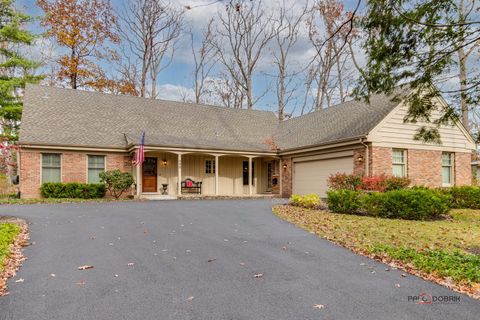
(196, 174)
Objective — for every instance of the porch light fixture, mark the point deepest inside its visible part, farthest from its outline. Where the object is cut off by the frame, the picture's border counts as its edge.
(164, 162)
(284, 166)
(360, 159)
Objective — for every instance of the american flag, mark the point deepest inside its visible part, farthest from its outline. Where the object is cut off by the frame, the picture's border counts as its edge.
(140, 153)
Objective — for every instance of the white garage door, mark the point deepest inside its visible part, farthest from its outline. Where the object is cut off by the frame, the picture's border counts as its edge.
(311, 176)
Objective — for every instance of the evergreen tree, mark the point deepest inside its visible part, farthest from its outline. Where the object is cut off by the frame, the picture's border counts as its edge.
(15, 69)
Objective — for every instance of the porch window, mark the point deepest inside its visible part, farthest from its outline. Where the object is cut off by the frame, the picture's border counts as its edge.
(447, 168)
(399, 163)
(245, 172)
(51, 167)
(209, 166)
(96, 164)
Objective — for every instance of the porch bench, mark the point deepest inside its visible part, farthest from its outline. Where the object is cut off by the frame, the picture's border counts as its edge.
(190, 186)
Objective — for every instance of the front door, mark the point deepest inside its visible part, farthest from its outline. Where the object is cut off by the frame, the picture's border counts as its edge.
(149, 177)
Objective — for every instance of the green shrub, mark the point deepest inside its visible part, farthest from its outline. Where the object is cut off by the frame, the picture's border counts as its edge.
(465, 197)
(344, 201)
(410, 204)
(117, 182)
(72, 190)
(306, 201)
(382, 183)
(343, 181)
(396, 183)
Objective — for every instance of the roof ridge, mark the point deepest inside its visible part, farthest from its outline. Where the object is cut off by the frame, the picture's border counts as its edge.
(185, 104)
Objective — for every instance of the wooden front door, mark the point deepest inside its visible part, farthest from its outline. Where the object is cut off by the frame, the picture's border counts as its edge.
(149, 175)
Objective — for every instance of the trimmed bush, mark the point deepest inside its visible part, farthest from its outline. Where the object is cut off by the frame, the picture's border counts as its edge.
(465, 197)
(344, 201)
(343, 181)
(410, 204)
(72, 190)
(117, 182)
(395, 183)
(306, 201)
(381, 183)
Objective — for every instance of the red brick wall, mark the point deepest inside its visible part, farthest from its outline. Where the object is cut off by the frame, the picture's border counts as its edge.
(29, 174)
(359, 165)
(380, 161)
(74, 168)
(286, 176)
(424, 167)
(463, 170)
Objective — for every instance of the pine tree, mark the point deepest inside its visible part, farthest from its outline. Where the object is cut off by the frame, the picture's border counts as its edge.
(15, 69)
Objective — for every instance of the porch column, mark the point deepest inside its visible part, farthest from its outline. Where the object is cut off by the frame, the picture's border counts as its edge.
(138, 169)
(216, 174)
(250, 189)
(179, 165)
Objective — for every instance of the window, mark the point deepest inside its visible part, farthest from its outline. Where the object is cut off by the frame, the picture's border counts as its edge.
(398, 163)
(245, 172)
(447, 168)
(209, 166)
(51, 165)
(96, 164)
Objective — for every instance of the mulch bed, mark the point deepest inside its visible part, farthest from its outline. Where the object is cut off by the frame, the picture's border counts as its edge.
(16, 258)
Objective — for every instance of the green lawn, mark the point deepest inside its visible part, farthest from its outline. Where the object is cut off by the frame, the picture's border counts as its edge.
(8, 232)
(447, 249)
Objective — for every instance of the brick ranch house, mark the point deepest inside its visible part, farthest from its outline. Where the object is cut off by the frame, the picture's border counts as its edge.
(70, 136)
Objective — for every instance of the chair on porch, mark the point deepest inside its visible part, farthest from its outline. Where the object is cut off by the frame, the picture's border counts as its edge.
(190, 186)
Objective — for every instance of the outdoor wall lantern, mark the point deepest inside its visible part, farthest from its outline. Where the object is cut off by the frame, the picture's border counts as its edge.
(360, 159)
(284, 166)
(164, 162)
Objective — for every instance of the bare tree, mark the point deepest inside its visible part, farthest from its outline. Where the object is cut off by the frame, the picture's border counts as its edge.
(333, 63)
(204, 59)
(243, 33)
(288, 23)
(151, 28)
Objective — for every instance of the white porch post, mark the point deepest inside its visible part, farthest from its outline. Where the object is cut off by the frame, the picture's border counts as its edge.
(250, 189)
(216, 174)
(179, 165)
(138, 169)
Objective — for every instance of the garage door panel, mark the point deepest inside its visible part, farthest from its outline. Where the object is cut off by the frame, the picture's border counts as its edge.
(311, 176)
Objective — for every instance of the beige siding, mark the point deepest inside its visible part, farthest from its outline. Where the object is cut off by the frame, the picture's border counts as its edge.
(393, 132)
(193, 167)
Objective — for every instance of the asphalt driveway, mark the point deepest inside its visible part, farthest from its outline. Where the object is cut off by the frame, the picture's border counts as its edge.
(198, 260)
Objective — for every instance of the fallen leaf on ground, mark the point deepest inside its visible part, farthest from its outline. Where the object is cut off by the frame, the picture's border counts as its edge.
(318, 306)
(20, 280)
(284, 248)
(258, 275)
(190, 298)
(188, 251)
(130, 264)
(225, 240)
(52, 274)
(211, 260)
(116, 276)
(80, 284)
(397, 285)
(404, 275)
(85, 267)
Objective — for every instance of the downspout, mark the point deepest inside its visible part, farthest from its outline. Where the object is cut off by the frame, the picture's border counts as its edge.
(367, 157)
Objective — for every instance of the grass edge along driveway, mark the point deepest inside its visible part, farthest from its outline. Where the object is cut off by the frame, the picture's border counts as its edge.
(444, 251)
(13, 236)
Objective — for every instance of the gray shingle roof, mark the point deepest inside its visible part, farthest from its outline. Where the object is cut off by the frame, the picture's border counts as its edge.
(55, 116)
(347, 120)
